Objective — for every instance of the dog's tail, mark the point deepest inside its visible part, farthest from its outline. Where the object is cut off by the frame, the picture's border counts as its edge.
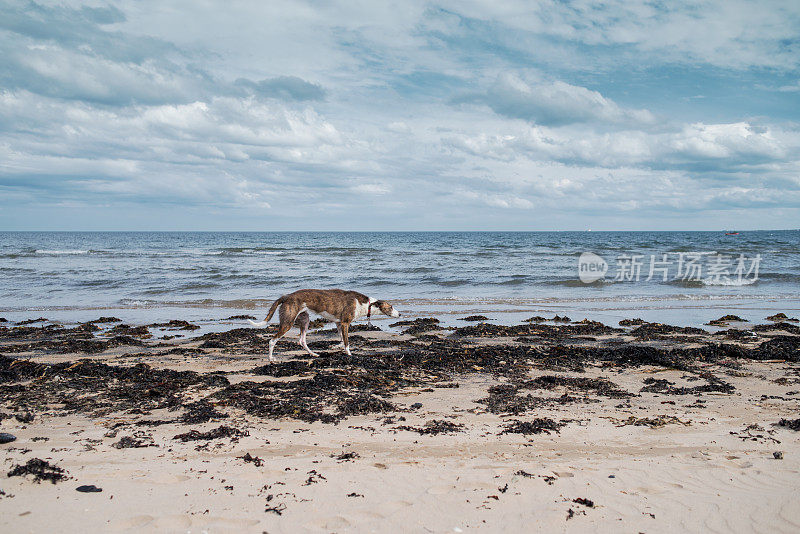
(271, 312)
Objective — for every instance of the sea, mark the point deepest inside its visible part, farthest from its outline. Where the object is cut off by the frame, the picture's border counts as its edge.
(683, 278)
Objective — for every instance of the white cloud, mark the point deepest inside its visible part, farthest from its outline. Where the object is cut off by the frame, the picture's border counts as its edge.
(332, 106)
(554, 103)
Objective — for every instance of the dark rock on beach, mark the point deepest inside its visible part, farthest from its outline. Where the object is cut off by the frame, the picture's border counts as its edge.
(89, 489)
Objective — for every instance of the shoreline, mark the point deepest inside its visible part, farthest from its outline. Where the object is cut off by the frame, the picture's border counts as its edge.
(529, 426)
(687, 310)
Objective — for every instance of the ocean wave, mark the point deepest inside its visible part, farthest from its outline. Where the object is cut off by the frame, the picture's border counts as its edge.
(575, 282)
(67, 252)
(690, 283)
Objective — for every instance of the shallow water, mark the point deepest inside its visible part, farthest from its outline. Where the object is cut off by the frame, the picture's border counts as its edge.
(509, 274)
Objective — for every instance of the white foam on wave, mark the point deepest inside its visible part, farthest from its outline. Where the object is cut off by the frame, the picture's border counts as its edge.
(60, 252)
(731, 283)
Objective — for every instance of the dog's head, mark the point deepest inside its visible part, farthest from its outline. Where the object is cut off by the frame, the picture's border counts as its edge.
(386, 308)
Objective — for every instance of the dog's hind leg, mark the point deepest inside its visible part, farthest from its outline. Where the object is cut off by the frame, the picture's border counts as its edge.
(344, 327)
(287, 316)
(304, 320)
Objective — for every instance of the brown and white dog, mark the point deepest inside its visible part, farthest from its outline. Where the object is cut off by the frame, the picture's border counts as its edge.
(341, 307)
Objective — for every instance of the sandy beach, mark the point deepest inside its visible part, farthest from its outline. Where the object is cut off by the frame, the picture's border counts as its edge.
(543, 426)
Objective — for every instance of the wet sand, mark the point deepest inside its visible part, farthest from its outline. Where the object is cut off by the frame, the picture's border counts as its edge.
(541, 426)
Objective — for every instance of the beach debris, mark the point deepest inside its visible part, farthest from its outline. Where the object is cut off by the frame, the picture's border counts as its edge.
(346, 456)
(652, 422)
(791, 424)
(725, 319)
(123, 329)
(418, 326)
(778, 317)
(660, 385)
(134, 442)
(416, 406)
(755, 432)
(364, 327)
(778, 455)
(40, 470)
(534, 319)
(277, 509)
(433, 427)
(220, 432)
(31, 321)
(24, 417)
(175, 324)
(255, 460)
(585, 502)
(535, 426)
(474, 318)
(5, 437)
(354, 494)
(104, 319)
(313, 478)
(89, 489)
(240, 318)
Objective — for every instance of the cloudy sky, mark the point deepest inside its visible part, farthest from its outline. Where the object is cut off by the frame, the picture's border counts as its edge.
(271, 115)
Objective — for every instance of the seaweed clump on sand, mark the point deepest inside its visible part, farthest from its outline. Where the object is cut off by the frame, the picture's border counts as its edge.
(327, 396)
(791, 424)
(433, 428)
(176, 324)
(648, 331)
(474, 318)
(238, 339)
(40, 470)
(535, 426)
(217, 433)
(653, 385)
(779, 317)
(652, 422)
(505, 398)
(418, 326)
(56, 338)
(95, 388)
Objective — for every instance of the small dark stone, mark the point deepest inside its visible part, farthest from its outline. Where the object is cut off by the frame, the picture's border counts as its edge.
(416, 406)
(89, 489)
(778, 455)
(5, 437)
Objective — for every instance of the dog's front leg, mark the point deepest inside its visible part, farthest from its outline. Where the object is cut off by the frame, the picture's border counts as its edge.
(341, 337)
